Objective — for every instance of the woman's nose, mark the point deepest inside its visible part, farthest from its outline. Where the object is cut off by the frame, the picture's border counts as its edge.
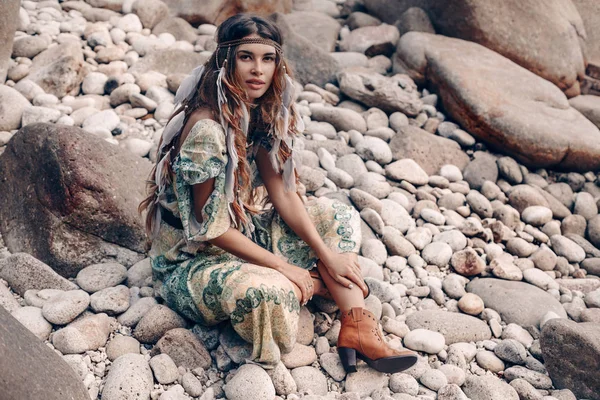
(257, 69)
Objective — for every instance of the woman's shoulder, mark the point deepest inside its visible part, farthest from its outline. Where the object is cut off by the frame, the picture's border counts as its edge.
(203, 127)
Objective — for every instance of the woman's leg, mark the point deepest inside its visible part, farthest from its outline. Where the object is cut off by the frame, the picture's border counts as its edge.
(264, 310)
(344, 297)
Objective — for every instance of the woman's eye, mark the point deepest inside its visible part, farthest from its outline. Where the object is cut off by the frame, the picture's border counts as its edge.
(269, 59)
(244, 57)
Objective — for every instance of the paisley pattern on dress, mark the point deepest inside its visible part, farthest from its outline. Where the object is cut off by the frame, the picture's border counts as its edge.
(208, 285)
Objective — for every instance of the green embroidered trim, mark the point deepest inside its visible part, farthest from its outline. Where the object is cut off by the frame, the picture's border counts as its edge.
(255, 296)
(344, 215)
(193, 173)
(214, 289)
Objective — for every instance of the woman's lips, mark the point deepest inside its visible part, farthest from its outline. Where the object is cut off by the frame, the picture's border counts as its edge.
(255, 84)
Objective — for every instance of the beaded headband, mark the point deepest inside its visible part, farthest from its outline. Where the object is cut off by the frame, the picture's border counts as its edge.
(237, 42)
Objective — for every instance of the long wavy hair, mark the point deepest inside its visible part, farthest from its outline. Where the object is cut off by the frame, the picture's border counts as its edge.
(266, 112)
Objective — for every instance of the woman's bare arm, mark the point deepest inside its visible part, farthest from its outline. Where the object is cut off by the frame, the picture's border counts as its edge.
(236, 243)
(289, 205)
(291, 208)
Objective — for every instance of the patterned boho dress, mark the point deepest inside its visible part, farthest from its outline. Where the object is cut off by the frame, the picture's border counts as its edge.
(207, 284)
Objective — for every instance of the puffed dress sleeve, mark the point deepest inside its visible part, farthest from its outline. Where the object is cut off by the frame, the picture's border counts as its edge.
(202, 156)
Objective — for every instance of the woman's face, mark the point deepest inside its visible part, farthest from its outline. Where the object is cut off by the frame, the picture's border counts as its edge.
(255, 66)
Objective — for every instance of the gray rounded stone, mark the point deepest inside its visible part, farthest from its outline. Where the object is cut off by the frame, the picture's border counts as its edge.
(536, 379)
(129, 377)
(65, 307)
(309, 378)
(567, 248)
(437, 253)
(404, 383)
(250, 382)
(434, 379)
(156, 322)
(111, 300)
(365, 381)
(332, 363)
(120, 345)
(99, 276)
(165, 370)
(424, 340)
(488, 388)
(455, 327)
(32, 319)
(537, 215)
(511, 350)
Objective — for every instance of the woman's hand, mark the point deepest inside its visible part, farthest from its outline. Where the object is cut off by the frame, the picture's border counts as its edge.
(344, 268)
(301, 278)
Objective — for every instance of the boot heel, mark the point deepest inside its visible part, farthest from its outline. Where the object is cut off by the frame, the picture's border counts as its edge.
(348, 357)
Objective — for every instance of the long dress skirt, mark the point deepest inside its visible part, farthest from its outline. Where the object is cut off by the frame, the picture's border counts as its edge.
(260, 302)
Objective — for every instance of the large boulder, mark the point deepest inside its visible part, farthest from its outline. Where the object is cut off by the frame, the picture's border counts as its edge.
(9, 18)
(168, 62)
(501, 103)
(318, 28)
(589, 106)
(516, 302)
(590, 14)
(545, 40)
(390, 94)
(178, 27)
(310, 63)
(455, 327)
(70, 198)
(571, 354)
(59, 70)
(216, 11)
(431, 152)
(28, 368)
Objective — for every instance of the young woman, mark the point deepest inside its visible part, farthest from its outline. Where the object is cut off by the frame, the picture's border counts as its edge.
(217, 252)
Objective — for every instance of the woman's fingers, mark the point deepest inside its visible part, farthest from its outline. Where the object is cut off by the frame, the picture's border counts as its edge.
(307, 288)
(342, 280)
(359, 281)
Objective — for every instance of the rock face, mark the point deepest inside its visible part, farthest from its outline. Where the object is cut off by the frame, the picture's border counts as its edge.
(169, 62)
(70, 199)
(310, 63)
(320, 29)
(28, 367)
(511, 28)
(216, 11)
(396, 93)
(590, 14)
(572, 356)
(9, 18)
(429, 151)
(589, 106)
(23, 272)
(59, 70)
(454, 327)
(516, 302)
(502, 103)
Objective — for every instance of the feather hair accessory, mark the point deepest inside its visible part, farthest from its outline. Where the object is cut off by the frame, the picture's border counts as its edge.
(171, 130)
(189, 84)
(288, 168)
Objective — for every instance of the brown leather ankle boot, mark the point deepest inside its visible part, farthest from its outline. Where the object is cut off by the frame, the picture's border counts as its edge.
(360, 336)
